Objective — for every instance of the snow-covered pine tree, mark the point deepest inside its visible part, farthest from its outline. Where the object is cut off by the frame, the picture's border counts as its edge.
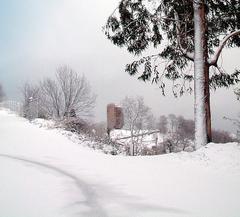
(169, 27)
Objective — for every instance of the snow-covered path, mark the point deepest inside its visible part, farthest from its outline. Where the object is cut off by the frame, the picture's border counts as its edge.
(46, 174)
(28, 191)
(83, 189)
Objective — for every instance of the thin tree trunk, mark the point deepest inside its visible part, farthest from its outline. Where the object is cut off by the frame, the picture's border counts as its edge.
(199, 74)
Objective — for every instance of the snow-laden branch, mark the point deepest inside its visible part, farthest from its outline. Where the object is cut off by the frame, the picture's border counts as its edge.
(183, 50)
(214, 59)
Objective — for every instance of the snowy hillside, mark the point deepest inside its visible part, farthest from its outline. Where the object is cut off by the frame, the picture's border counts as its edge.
(43, 173)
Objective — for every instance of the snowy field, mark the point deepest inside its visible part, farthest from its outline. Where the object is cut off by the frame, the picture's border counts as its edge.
(44, 174)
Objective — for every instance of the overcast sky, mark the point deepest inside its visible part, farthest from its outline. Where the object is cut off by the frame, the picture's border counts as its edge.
(39, 35)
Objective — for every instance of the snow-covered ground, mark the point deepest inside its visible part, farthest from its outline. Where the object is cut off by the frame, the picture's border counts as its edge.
(43, 173)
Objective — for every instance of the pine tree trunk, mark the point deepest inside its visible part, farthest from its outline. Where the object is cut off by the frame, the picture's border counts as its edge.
(199, 74)
(207, 105)
(206, 85)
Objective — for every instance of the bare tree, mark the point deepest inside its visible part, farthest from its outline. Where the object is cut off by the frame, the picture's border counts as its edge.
(135, 118)
(68, 94)
(30, 100)
(151, 122)
(185, 132)
(50, 98)
(180, 134)
(172, 120)
(185, 127)
(75, 92)
(162, 124)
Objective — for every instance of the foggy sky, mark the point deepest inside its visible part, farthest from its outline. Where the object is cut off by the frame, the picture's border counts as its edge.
(37, 36)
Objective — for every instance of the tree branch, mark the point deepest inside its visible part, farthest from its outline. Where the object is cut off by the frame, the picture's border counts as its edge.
(214, 59)
(187, 54)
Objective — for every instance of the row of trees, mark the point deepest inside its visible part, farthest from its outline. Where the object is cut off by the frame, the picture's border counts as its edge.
(177, 132)
(68, 95)
(184, 33)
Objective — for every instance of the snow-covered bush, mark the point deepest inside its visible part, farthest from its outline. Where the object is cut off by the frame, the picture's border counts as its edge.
(77, 125)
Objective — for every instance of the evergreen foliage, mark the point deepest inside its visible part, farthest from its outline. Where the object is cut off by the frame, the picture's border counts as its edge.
(168, 26)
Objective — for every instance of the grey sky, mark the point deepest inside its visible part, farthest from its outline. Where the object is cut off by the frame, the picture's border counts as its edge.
(39, 35)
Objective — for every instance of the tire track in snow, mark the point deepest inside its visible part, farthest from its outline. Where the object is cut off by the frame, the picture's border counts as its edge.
(91, 197)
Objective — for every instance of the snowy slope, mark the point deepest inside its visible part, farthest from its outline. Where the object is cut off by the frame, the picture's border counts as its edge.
(48, 175)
